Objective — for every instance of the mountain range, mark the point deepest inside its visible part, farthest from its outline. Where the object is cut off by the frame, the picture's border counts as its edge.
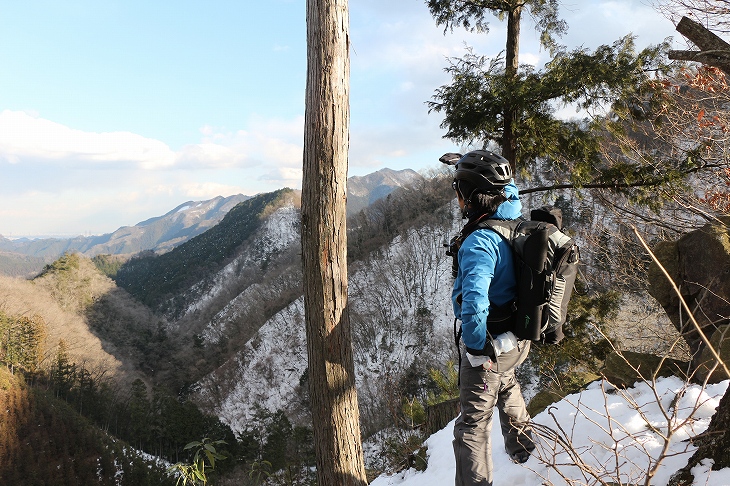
(24, 257)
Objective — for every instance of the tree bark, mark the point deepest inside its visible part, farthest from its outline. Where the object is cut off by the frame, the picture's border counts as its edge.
(335, 411)
(700, 36)
(713, 50)
(512, 61)
(713, 444)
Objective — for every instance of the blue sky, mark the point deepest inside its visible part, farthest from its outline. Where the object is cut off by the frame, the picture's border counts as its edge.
(112, 112)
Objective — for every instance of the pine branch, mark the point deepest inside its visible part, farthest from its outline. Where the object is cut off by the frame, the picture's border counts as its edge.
(615, 185)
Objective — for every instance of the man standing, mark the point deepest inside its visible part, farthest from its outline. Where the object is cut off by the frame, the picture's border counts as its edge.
(483, 296)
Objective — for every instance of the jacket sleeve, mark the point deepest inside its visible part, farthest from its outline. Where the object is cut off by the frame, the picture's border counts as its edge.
(477, 260)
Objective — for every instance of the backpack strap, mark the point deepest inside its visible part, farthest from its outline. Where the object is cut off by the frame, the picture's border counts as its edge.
(504, 228)
(457, 338)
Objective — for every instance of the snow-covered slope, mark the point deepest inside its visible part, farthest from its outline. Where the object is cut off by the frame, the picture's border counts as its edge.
(400, 311)
(615, 436)
(279, 231)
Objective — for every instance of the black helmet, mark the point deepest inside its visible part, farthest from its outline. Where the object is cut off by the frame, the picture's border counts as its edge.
(485, 171)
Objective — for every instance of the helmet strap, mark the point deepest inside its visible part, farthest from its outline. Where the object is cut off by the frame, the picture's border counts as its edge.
(466, 200)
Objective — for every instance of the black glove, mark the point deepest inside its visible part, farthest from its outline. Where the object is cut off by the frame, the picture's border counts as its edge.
(487, 351)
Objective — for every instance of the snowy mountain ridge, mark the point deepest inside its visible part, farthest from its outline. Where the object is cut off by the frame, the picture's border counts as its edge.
(393, 326)
(280, 230)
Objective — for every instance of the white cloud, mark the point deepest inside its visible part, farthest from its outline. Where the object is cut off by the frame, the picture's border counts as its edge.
(211, 155)
(284, 176)
(55, 178)
(529, 58)
(27, 140)
(23, 136)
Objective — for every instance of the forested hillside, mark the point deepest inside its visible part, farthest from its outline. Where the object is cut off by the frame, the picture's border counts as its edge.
(157, 280)
(46, 441)
(76, 402)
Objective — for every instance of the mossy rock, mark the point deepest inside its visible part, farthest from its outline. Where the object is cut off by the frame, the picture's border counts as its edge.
(659, 286)
(625, 369)
(575, 383)
(720, 341)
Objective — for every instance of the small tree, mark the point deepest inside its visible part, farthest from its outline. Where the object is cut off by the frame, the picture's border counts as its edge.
(63, 371)
(22, 341)
(196, 473)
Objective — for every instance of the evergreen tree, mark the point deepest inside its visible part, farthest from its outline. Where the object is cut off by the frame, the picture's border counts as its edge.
(22, 342)
(139, 415)
(63, 372)
(471, 15)
(496, 102)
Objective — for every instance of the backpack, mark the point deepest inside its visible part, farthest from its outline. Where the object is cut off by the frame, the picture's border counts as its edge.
(546, 265)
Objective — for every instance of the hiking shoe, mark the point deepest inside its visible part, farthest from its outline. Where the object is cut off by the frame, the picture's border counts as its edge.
(520, 457)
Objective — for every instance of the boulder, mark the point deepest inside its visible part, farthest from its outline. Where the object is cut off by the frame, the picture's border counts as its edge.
(699, 264)
(544, 398)
(713, 444)
(626, 368)
(720, 341)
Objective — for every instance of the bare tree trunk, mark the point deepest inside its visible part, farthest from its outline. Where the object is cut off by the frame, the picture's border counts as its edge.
(713, 50)
(512, 49)
(324, 252)
(512, 59)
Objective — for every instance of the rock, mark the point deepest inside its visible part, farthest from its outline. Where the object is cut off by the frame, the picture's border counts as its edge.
(720, 341)
(629, 367)
(544, 398)
(713, 443)
(699, 263)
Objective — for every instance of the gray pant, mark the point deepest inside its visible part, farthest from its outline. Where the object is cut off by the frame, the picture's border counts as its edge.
(479, 392)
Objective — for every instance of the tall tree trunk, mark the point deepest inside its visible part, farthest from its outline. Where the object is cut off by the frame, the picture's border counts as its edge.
(335, 412)
(512, 60)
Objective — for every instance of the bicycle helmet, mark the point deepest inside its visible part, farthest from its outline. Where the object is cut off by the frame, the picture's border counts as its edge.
(485, 171)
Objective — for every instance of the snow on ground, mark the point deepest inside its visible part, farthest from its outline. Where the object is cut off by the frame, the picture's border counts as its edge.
(605, 427)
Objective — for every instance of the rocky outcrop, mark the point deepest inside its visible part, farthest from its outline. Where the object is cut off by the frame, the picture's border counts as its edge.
(712, 444)
(708, 369)
(699, 264)
(626, 368)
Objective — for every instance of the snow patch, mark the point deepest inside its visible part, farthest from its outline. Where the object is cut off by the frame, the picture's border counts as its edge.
(278, 232)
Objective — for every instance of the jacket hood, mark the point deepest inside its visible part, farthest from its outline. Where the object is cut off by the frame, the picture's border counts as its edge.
(508, 210)
(512, 207)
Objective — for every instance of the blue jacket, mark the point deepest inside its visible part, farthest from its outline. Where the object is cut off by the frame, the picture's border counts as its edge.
(486, 274)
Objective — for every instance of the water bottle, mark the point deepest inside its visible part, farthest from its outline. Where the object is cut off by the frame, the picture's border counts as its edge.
(504, 342)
